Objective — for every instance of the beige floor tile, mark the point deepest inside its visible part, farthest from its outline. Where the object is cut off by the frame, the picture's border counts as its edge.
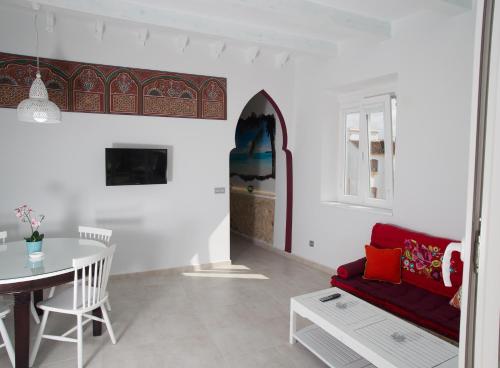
(197, 322)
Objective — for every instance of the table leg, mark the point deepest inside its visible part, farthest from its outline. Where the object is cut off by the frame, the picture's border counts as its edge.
(96, 325)
(38, 297)
(293, 326)
(22, 328)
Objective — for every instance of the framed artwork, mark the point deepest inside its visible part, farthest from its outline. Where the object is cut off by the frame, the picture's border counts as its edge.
(82, 87)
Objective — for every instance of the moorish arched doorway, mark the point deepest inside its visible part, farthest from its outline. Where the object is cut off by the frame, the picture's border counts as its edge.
(261, 170)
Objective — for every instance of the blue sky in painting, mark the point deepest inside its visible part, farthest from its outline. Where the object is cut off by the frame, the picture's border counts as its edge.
(245, 138)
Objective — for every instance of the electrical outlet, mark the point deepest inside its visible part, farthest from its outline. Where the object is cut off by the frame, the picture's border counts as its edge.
(311, 243)
(219, 190)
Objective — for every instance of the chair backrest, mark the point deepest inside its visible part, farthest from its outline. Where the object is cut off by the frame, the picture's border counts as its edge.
(95, 233)
(94, 272)
(3, 236)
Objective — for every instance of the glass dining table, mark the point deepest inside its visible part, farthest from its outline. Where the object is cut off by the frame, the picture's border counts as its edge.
(21, 276)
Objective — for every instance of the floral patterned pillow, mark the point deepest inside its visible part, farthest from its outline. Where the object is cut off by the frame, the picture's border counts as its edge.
(420, 259)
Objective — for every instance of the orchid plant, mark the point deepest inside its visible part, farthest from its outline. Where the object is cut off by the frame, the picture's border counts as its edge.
(27, 215)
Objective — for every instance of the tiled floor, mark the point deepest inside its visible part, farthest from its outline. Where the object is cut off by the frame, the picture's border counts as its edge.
(198, 321)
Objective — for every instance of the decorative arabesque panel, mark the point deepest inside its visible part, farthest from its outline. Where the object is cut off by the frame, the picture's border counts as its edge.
(81, 87)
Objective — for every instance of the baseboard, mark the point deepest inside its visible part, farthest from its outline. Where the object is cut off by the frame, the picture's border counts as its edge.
(173, 270)
(222, 264)
(330, 271)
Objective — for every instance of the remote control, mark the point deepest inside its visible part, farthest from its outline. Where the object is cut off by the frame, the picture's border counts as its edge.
(329, 297)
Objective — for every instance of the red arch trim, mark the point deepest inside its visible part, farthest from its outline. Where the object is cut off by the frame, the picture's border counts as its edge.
(289, 174)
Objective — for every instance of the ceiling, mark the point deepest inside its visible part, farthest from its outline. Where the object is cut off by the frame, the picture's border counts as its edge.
(310, 26)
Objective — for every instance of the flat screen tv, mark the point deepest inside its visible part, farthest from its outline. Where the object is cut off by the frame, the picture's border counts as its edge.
(136, 166)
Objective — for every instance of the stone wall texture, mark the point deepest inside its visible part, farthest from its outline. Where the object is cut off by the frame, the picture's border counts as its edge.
(253, 215)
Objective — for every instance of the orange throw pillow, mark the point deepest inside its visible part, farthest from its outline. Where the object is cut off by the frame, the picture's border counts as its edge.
(383, 264)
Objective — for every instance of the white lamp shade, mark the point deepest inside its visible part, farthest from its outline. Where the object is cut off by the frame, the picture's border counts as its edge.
(37, 108)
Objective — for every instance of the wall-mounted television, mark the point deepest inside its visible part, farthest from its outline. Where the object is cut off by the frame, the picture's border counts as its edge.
(136, 166)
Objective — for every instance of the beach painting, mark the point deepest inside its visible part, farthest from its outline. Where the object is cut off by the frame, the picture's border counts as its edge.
(254, 155)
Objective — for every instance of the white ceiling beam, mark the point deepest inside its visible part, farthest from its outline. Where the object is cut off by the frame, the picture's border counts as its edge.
(294, 16)
(189, 22)
(446, 7)
(466, 4)
(321, 12)
(449, 7)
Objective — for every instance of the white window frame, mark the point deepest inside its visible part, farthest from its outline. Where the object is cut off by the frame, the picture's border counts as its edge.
(365, 106)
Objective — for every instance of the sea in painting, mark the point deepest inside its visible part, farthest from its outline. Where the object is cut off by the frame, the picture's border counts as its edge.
(253, 157)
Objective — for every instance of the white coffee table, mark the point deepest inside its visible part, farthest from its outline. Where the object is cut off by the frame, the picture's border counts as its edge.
(350, 333)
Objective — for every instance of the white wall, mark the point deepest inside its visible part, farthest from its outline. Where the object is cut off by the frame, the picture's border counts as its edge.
(431, 70)
(59, 170)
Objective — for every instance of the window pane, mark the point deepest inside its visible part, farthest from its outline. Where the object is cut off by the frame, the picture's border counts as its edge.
(376, 154)
(351, 154)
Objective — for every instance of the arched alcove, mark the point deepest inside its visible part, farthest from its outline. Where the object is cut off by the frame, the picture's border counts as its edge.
(260, 114)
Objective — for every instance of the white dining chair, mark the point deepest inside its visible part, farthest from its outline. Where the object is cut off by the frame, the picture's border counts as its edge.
(93, 233)
(5, 343)
(100, 234)
(88, 294)
(34, 314)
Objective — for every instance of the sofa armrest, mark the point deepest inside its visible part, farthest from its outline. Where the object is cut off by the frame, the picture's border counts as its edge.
(352, 269)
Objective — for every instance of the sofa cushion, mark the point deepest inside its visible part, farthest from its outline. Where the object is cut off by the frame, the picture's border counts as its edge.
(383, 264)
(423, 251)
(352, 269)
(415, 304)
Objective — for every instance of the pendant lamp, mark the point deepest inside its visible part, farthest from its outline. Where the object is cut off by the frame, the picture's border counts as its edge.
(38, 108)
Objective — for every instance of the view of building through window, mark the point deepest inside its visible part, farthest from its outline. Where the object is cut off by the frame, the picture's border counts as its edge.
(368, 166)
(352, 154)
(376, 154)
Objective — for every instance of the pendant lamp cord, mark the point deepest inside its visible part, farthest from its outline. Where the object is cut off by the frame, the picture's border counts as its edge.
(36, 33)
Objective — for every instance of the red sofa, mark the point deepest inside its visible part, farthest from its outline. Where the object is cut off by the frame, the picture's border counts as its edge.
(422, 297)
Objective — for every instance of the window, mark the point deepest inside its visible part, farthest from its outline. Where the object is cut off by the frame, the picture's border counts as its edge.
(368, 151)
